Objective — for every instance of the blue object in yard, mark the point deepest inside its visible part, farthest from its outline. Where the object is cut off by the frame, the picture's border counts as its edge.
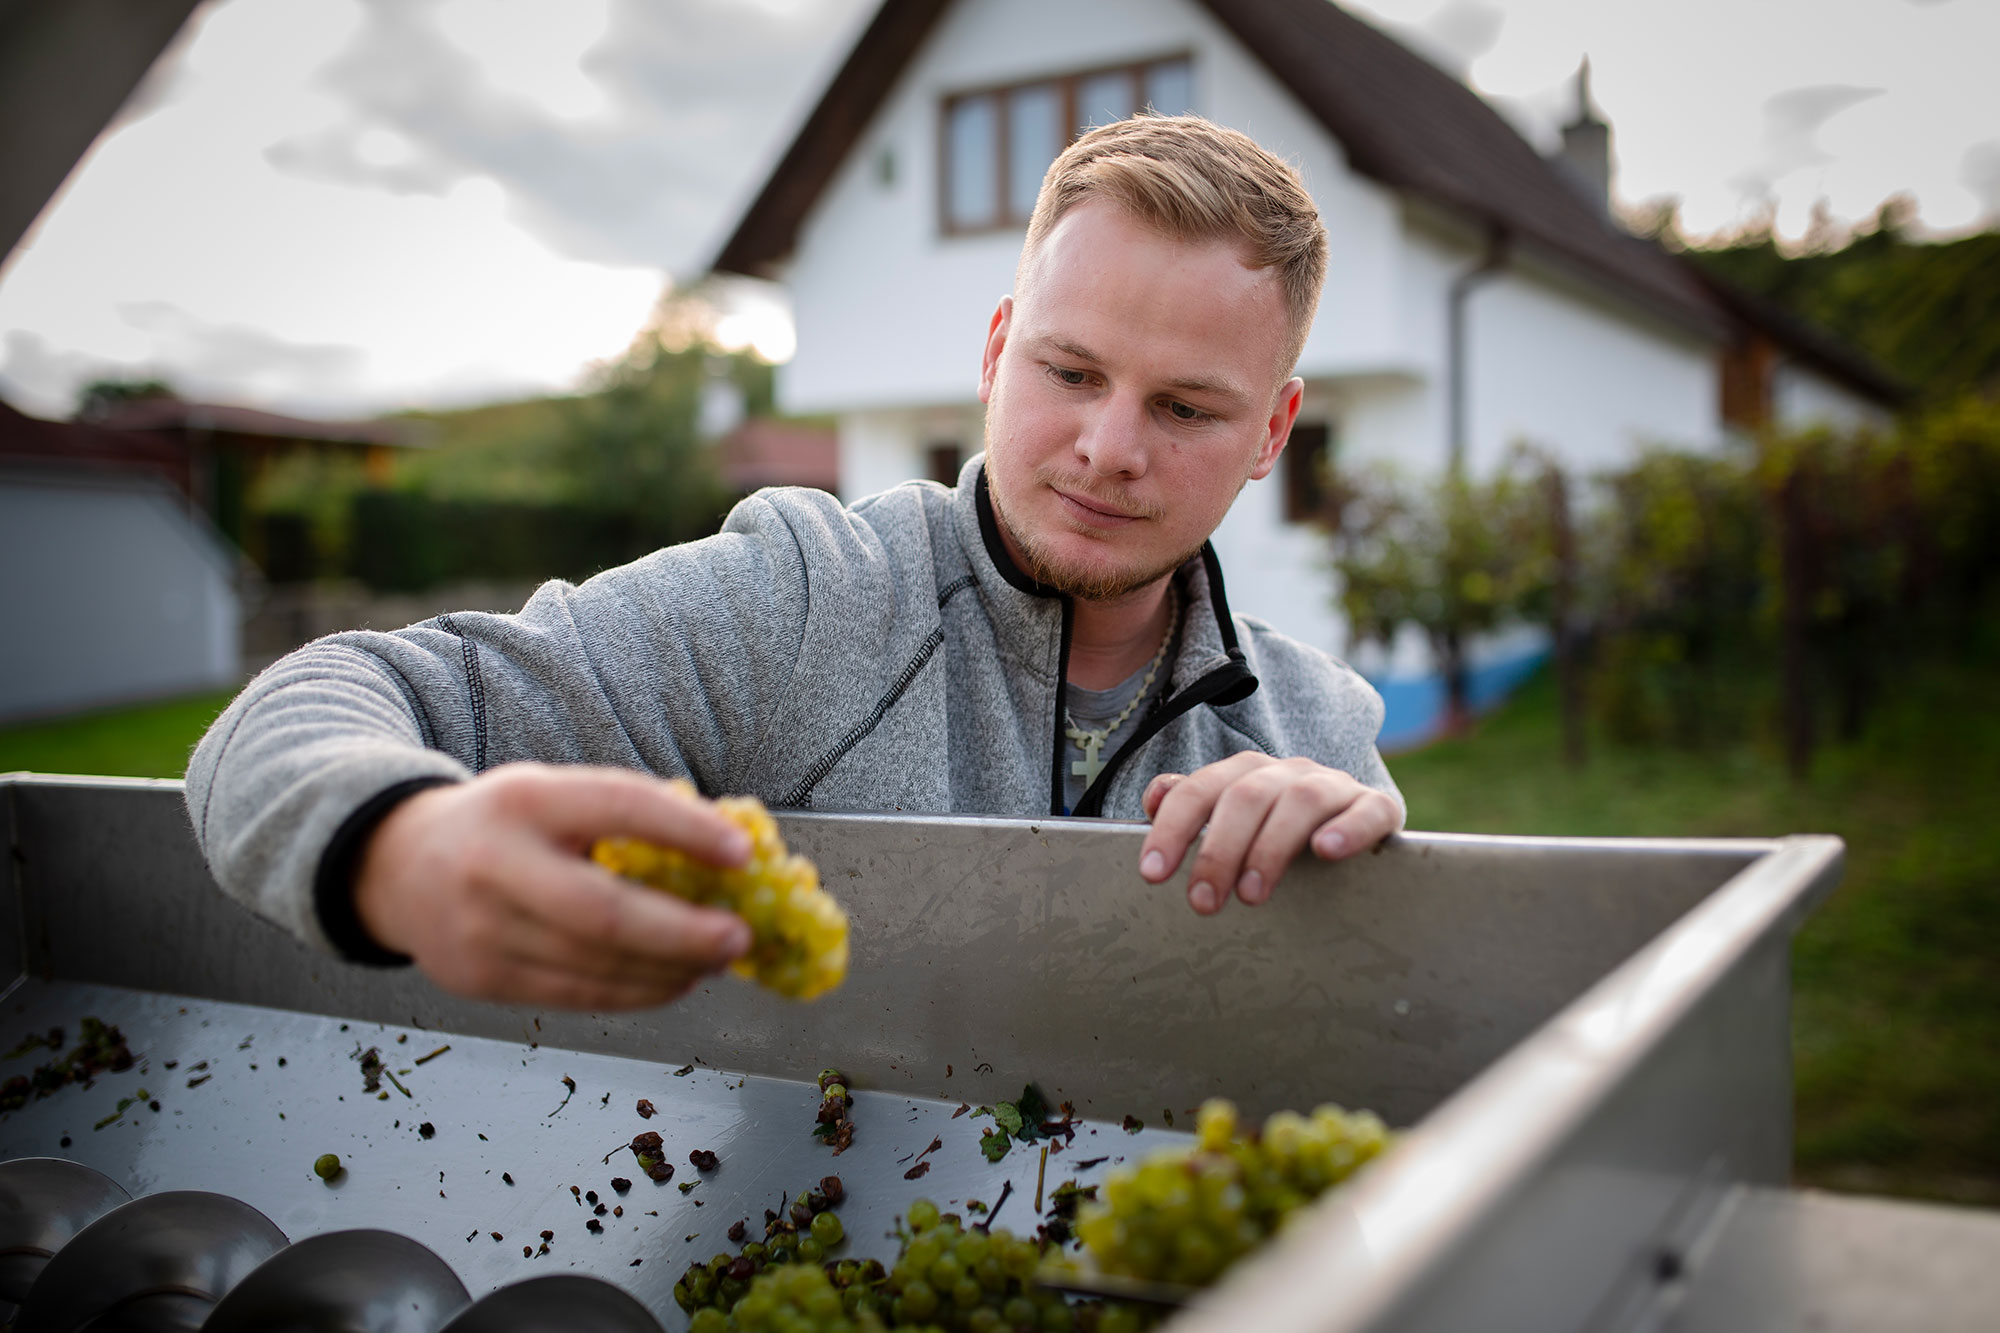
(1414, 706)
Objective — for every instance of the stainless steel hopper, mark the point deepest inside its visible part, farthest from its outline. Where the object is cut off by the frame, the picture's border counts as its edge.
(1589, 1041)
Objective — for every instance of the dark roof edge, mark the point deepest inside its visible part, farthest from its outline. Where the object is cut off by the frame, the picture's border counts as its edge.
(1806, 341)
(769, 228)
(1558, 260)
(767, 232)
(1259, 29)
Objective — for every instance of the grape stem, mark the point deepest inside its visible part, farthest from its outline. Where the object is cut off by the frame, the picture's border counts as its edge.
(1006, 1188)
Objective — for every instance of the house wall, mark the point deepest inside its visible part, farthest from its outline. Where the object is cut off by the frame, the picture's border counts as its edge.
(1586, 376)
(891, 314)
(110, 592)
(1802, 397)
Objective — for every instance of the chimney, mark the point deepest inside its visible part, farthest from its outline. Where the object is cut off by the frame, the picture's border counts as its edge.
(1586, 148)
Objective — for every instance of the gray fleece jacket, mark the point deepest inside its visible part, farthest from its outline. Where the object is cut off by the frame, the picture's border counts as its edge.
(885, 655)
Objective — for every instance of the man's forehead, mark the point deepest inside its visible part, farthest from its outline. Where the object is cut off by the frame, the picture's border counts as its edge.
(1105, 287)
(1096, 225)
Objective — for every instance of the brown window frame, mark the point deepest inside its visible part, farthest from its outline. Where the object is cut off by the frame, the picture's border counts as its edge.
(1066, 85)
(943, 460)
(1305, 472)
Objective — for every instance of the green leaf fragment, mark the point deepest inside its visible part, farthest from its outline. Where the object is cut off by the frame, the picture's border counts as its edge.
(1008, 1117)
(994, 1146)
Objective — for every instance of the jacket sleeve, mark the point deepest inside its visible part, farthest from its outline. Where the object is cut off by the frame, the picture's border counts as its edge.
(674, 664)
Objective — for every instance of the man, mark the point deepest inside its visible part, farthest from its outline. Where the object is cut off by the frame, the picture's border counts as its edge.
(1051, 637)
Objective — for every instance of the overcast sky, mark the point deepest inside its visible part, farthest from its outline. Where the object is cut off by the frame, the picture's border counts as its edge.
(342, 206)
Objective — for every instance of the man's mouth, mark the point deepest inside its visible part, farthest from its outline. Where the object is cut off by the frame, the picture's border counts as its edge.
(1090, 510)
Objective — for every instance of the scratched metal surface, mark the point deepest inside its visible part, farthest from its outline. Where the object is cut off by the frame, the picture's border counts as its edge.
(1589, 1038)
(1030, 947)
(251, 1128)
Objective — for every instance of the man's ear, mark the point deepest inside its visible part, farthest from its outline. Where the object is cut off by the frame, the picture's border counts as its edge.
(996, 341)
(1279, 428)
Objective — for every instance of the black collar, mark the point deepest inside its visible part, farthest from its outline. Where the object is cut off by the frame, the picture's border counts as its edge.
(1227, 684)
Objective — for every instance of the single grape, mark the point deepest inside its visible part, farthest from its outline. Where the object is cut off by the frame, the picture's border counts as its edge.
(920, 1299)
(826, 1229)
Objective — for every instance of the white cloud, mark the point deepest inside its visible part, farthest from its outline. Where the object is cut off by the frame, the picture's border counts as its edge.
(358, 203)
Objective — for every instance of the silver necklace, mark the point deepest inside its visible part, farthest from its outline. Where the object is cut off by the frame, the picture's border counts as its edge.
(1092, 742)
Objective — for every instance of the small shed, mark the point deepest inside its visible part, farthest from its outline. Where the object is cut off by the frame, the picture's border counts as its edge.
(114, 586)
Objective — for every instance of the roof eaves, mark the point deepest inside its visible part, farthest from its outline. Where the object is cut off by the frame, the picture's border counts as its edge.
(769, 228)
(1806, 341)
(1339, 66)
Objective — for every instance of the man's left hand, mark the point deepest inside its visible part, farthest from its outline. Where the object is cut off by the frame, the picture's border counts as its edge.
(1260, 812)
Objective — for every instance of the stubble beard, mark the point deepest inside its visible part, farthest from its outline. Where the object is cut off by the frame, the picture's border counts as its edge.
(1089, 585)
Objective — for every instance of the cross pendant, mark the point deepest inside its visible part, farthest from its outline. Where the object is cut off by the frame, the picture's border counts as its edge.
(1090, 765)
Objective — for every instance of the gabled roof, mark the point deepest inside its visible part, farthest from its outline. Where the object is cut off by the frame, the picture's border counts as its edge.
(770, 228)
(1413, 127)
(1402, 121)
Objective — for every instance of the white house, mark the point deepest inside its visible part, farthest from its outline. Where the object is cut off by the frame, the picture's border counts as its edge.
(1477, 294)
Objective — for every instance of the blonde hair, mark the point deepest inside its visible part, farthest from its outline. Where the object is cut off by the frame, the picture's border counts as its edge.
(1196, 181)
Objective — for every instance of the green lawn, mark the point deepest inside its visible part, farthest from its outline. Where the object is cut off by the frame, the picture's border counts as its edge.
(1896, 1029)
(1897, 1022)
(146, 741)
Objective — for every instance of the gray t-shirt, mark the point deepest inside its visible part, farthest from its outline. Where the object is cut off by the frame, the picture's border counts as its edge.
(1093, 710)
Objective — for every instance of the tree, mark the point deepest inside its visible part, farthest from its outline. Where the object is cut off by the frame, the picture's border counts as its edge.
(101, 397)
(1453, 557)
(1928, 311)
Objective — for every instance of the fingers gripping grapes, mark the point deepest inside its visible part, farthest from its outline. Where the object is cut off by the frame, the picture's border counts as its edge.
(484, 885)
(1259, 813)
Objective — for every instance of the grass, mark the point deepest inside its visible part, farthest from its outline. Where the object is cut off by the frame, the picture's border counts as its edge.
(1896, 1021)
(145, 741)
(1896, 1029)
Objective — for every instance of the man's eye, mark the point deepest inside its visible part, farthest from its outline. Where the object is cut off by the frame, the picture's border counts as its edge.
(1067, 375)
(1182, 412)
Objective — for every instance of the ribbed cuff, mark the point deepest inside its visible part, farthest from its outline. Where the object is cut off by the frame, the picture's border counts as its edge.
(340, 863)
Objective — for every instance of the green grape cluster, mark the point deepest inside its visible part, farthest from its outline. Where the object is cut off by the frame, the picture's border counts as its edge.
(798, 932)
(803, 1236)
(791, 1298)
(969, 1281)
(947, 1279)
(1186, 1214)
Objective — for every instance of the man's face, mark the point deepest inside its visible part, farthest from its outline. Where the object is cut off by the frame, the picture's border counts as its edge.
(1132, 388)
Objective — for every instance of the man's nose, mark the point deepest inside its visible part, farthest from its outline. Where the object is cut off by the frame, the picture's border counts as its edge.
(1112, 442)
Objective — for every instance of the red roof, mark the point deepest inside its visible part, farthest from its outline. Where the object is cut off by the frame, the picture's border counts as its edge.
(763, 452)
(174, 414)
(74, 446)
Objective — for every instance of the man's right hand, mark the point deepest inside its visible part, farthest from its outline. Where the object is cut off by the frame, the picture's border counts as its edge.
(487, 885)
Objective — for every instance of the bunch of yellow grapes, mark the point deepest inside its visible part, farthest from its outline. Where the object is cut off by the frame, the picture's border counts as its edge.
(799, 933)
(1186, 1214)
